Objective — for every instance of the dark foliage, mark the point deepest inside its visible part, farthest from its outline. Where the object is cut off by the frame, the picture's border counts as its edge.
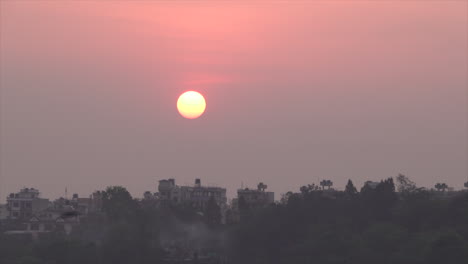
(375, 225)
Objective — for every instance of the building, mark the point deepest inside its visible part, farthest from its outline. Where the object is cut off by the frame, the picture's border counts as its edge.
(46, 222)
(51, 223)
(196, 195)
(25, 203)
(3, 212)
(81, 205)
(95, 202)
(371, 184)
(255, 198)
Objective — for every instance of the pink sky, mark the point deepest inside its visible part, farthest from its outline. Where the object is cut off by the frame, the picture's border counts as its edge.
(295, 92)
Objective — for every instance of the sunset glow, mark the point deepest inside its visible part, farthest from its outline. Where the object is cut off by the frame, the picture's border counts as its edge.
(191, 104)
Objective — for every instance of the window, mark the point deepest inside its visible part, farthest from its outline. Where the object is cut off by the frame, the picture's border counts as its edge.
(15, 204)
(35, 226)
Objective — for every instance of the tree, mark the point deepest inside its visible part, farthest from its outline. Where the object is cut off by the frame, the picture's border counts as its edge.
(284, 197)
(441, 186)
(262, 187)
(326, 183)
(306, 189)
(444, 186)
(387, 188)
(466, 184)
(118, 203)
(350, 189)
(404, 184)
(380, 199)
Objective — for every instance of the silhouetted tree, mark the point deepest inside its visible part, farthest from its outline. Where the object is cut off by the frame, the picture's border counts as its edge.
(386, 190)
(380, 199)
(117, 203)
(350, 189)
(284, 197)
(441, 186)
(262, 187)
(326, 183)
(404, 184)
(306, 189)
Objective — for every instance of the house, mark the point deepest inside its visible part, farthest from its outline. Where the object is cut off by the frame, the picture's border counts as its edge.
(256, 198)
(25, 203)
(51, 223)
(196, 195)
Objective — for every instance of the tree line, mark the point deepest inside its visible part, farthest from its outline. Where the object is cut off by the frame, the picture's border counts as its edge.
(392, 221)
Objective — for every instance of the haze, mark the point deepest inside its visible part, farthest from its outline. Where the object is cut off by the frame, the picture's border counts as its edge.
(296, 92)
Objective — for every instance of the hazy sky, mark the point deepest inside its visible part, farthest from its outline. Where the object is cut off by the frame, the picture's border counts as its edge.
(296, 92)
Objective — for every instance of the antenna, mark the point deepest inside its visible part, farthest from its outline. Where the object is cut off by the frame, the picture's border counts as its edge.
(66, 193)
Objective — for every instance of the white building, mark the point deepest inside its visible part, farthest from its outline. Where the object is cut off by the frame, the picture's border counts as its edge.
(25, 203)
(196, 195)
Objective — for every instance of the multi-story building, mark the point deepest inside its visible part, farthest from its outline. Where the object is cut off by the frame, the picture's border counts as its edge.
(25, 203)
(95, 202)
(3, 212)
(196, 195)
(81, 205)
(255, 198)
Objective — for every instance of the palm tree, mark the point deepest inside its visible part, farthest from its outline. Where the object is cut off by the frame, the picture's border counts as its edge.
(323, 184)
(441, 186)
(444, 187)
(262, 187)
(326, 183)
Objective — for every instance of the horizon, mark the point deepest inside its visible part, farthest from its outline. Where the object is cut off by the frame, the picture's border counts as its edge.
(277, 195)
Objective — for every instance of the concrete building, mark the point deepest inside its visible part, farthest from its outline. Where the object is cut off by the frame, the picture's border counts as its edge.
(81, 205)
(25, 203)
(95, 202)
(3, 212)
(47, 223)
(196, 195)
(255, 198)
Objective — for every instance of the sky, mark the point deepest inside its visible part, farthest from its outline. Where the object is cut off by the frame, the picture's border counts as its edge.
(296, 92)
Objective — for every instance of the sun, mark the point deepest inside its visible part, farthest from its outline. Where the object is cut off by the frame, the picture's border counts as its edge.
(191, 104)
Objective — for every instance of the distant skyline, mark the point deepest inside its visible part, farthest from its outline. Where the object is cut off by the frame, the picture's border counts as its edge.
(295, 92)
